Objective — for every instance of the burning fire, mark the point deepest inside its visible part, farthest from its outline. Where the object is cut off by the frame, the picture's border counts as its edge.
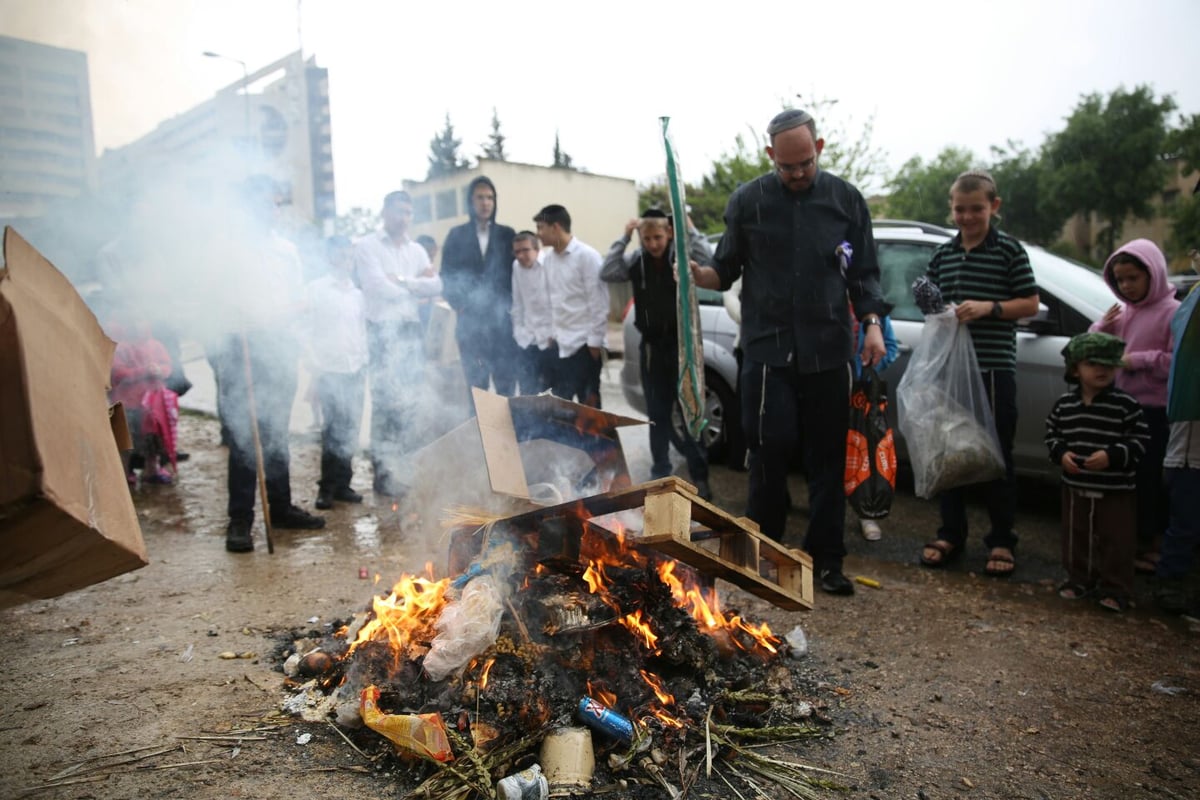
(664, 697)
(405, 618)
(641, 629)
(707, 611)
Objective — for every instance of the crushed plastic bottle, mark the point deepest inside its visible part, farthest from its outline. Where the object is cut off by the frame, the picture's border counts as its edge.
(798, 642)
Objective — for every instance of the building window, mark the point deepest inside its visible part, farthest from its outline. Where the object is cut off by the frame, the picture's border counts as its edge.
(422, 209)
(447, 204)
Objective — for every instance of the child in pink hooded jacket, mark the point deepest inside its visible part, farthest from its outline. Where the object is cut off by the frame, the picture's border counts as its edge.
(1137, 274)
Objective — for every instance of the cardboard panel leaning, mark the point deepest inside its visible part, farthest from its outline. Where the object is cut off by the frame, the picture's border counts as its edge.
(66, 516)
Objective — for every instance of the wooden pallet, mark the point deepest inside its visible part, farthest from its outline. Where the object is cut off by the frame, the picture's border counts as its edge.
(719, 544)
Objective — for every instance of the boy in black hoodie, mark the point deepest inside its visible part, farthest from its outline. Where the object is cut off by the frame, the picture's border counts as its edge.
(651, 270)
(477, 283)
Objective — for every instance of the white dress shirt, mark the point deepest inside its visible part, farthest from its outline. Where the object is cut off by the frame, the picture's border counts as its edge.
(578, 298)
(337, 326)
(532, 318)
(376, 259)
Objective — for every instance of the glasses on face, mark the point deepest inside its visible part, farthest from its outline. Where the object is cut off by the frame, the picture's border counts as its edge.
(796, 169)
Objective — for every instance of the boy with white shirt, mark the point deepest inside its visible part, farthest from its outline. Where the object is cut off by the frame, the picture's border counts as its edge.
(337, 356)
(532, 318)
(579, 305)
(393, 272)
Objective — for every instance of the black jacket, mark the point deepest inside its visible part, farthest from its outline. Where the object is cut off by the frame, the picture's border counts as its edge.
(784, 243)
(478, 285)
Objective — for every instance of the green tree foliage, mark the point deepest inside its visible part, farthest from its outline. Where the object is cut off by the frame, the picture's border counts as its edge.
(494, 148)
(1021, 177)
(1184, 143)
(561, 159)
(356, 222)
(921, 191)
(444, 157)
(1108, 160)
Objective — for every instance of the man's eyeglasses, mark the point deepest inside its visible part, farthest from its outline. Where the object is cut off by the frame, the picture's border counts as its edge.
(797, 169)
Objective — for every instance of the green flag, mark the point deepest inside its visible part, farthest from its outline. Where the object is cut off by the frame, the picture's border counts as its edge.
(691, 352)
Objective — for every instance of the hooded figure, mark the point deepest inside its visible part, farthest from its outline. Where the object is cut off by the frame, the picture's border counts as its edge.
(476, 275)
(1142, 319)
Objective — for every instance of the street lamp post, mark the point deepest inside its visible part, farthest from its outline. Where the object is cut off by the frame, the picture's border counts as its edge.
(245, 86)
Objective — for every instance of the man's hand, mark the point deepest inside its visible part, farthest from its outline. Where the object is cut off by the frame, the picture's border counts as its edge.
(873, 350)
(595, 352)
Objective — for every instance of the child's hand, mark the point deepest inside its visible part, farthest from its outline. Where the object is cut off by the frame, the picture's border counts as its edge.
(1112, 315)
(1096, 461)
(969, 310)
(630, 227)
(1070, 463)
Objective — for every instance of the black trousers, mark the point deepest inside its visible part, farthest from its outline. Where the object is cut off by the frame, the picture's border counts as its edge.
(577, 378)
(272, 361)
(1152, 498)
(659, 366)
(781, 408)
(396, 368)
(534, 368)
(1000, 495)
(489, 356)
(341, 398)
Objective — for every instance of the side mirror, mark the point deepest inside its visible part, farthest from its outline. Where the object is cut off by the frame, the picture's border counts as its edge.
(1039, 322)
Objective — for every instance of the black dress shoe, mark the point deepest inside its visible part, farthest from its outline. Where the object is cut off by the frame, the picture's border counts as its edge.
(346, 495)
(834, 582)
(296, 518)
(324, 500)
(237, 536)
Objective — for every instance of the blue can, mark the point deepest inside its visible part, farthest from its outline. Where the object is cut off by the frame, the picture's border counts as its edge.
(600, 717)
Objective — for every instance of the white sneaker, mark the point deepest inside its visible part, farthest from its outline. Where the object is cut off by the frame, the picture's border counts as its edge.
(871, 530)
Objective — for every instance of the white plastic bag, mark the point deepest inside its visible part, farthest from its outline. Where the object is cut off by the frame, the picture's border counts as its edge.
(466, 628)
(943, 411)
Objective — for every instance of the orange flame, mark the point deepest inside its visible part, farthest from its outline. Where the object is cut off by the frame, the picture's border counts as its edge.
(483, 676)
(405, 618)
(659, 712)
(603, 695)
(595, 577)
(707, 611)
(642, 629)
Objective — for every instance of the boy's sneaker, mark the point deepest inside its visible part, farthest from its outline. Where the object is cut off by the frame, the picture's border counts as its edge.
(296, 518)
(871, 530)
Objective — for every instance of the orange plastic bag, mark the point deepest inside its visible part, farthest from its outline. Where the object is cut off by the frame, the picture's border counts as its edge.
(422, 735)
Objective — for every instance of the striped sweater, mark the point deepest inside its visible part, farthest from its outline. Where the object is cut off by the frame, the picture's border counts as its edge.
(1112, 422)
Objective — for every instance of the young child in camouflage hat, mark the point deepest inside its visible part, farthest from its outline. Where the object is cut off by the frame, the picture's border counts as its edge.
(1097, 433)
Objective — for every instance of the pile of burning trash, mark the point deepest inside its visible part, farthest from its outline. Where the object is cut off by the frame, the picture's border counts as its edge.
(562, 659)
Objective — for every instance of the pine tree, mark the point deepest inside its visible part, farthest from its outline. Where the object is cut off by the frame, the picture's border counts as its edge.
(561, 159)
(494, 149)
(444, 158)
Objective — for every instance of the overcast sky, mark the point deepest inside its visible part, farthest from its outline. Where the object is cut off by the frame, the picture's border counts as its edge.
(932, 73)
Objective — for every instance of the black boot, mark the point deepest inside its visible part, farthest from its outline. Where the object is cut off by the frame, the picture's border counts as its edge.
(296, 518)
(237, 536)
(324, 499)
(345, 495)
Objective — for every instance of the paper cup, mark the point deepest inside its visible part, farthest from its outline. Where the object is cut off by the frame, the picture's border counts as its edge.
(568, 759)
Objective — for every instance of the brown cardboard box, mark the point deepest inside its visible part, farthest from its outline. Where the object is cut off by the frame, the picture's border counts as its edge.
(515, 454)
(66, 517)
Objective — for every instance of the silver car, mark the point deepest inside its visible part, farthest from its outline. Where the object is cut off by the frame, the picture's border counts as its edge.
(1072, 297)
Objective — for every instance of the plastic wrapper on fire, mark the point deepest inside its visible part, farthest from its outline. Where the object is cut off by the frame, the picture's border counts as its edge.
(421, 735)
(467, 627)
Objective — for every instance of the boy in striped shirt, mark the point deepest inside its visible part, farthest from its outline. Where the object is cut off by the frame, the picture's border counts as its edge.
(1097, 433)
(985, 273)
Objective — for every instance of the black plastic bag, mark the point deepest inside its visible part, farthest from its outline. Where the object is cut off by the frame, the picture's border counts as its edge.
(870, 477)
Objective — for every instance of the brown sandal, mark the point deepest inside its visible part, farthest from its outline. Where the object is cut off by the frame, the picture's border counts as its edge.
(1004, 558)
(947, 553)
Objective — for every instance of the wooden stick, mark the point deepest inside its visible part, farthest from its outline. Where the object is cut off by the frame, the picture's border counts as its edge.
(259, 467)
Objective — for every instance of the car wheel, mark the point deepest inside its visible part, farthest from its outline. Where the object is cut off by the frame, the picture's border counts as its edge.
(722, 436)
